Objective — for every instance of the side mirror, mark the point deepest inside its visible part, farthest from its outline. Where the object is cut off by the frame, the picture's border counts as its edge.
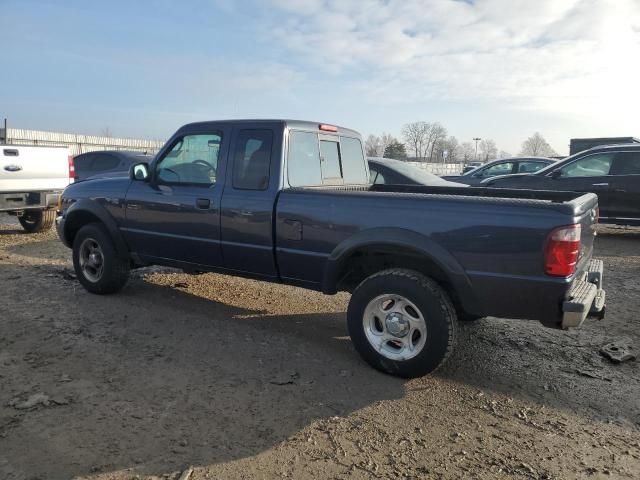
(555, 174)
(140, 172)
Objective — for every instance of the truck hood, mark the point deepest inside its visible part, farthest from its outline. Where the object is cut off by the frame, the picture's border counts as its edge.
(108, 187)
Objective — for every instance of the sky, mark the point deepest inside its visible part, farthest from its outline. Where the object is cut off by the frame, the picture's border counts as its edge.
(499, 69)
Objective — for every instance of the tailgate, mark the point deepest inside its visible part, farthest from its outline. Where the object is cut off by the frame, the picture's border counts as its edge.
(31, 169)
(587, 217)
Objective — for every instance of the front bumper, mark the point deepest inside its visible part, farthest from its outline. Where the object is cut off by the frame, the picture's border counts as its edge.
(60, 230)
(586, 298)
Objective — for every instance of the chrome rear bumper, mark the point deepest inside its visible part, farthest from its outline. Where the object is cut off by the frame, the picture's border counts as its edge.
(586, 298)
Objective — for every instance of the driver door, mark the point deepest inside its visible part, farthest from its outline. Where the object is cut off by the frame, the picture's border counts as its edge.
(174, 217)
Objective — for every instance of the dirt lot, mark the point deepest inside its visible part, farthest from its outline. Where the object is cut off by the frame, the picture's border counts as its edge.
(241, 379)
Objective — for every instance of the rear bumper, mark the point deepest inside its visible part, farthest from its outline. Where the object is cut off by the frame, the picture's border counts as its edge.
(18, 201)
(586, 298)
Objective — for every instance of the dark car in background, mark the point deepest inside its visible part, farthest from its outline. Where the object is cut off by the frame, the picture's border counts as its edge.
(385, 171)
(503, 166)
(612, 172)
(106, 163)
(471, 166)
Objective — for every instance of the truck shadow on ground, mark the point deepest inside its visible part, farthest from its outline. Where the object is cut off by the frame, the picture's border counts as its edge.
(157, 379)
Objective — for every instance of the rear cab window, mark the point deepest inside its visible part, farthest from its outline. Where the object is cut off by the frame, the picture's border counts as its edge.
(318, 158)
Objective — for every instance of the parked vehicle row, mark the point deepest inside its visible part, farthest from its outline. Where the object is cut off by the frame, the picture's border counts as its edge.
(503, 166)
(292, 202)
(612, 172)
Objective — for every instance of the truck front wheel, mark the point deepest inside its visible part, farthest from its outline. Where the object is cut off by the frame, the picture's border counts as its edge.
(34, 221)
(98, 266)
(402, 322)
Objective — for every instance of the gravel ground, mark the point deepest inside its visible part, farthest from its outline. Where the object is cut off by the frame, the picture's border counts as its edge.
(242, 379)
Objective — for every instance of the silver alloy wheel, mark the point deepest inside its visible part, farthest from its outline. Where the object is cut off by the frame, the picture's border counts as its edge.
(394, 327)
(91, 260)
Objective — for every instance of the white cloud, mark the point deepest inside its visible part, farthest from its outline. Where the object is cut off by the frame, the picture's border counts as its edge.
(572, 57)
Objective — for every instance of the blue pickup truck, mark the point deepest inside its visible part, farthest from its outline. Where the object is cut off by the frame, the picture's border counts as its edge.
(290, 202)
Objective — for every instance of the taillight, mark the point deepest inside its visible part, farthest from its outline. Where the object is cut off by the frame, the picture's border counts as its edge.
(72, 169)
(328, 128)
(561, 251)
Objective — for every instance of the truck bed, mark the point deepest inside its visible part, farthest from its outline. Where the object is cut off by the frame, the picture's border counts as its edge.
(494, 238)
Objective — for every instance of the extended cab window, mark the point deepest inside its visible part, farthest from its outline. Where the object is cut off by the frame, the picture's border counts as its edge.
(252, 160)
(325, 159)
(595, 165)
(193, 159)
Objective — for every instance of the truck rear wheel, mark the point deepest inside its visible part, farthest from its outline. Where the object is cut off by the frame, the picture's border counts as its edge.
(402, 322)
(96, 262)
(34, 221)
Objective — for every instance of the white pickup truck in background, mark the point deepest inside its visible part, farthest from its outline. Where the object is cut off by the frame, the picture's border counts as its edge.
(31, 181)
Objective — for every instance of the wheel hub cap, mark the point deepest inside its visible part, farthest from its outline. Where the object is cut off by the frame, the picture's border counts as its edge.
(397, 325)
(394, 326)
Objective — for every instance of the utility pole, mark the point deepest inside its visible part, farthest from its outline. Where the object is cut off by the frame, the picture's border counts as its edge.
(477, 139)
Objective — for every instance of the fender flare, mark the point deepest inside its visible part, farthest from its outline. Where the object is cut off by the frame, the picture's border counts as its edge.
(407, 240)
(88, 206)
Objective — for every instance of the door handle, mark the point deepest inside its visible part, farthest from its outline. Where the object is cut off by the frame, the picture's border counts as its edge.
(203, 203)
(600, 184)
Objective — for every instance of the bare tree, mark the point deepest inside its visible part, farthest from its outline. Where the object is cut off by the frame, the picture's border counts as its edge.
(452, 147)
(415, 135)
(375, 145)
(435, 135)
(487, 150)
(446, 150)
(372, 146)
(467, 152)
(386, 139)
(537, 146)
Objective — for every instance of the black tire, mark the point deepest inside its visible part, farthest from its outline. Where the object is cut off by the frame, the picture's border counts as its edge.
(34, 221)
(438, 313)
(114, 271)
